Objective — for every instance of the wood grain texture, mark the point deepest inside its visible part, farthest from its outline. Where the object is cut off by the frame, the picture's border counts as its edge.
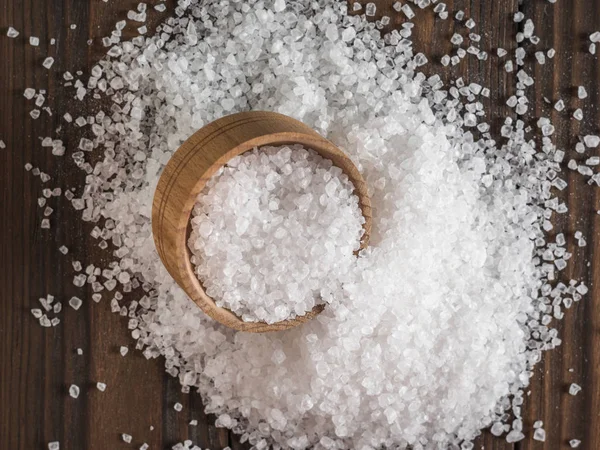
(194, 164)
(38, 365)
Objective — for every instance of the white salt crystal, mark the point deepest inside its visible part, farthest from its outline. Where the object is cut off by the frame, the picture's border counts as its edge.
(591, 141)
(101, 386)
(581, 92)
(279, 5)
(34, 41)
(126, 438)
(12, 33)
(178, 407)
(408, 12)
(123, 350)
(574, 443)
(539, 434)
(55, 445)
(370, 9)
(48, 62)
(574, 389)
(74, 391)
(514, 436)
(541, 57)
(29, 93)
(75, 303)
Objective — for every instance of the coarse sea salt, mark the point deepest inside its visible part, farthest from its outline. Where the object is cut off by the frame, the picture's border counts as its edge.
(369, 372)
(274, 233)
(74, 391)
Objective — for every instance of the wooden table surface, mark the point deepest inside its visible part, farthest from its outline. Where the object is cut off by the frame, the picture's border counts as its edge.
(37, 365)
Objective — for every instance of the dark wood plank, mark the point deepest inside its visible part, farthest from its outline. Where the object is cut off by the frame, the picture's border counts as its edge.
(566, 27)
(37, 365)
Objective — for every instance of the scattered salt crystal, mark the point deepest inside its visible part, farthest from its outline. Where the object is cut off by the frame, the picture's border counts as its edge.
(539, 434)
(559, 105)
(45, 322)
(123, 350)
(193, 422)
(370, 9)
(75, 303)
(178, 407)
(48, 62)
(541, 57)
(12, 33)
(74, 391)
(574, 443)
(79, 351)
(514, 436)
(591, 141)
(126, 438)
(581, 92)
(101, 386)
(34, 41)
(55, 445)
(574, 389)
(408, 12)
(64, 250)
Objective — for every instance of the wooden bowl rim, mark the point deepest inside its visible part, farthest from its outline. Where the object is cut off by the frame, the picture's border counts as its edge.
(319, 144)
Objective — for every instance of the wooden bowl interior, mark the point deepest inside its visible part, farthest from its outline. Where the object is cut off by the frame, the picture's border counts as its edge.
(339, 160)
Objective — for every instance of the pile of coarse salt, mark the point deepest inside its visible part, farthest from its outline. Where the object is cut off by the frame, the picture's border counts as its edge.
(274, 233)
(434, 335)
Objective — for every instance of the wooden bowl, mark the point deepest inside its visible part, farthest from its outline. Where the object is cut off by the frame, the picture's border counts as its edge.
(195, 162)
